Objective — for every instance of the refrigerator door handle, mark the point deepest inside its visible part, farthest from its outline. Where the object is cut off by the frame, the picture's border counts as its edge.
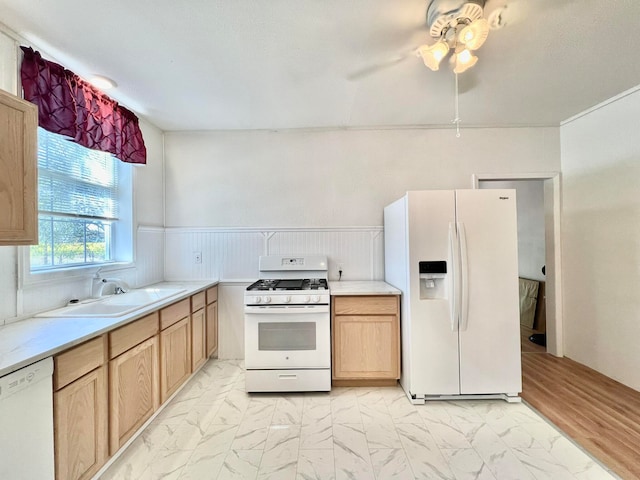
(464, 277)
(453, 277)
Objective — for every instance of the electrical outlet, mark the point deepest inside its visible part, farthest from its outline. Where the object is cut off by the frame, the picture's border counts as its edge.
(340, 270)
(197, 257)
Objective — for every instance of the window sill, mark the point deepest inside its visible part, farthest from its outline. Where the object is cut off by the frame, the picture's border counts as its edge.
(28, 278)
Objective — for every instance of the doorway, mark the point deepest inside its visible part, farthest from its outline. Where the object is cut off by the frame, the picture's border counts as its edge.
(540, 203)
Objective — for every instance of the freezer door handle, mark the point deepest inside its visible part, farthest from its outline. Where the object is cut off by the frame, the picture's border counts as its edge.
(453, 277)
(464, 277)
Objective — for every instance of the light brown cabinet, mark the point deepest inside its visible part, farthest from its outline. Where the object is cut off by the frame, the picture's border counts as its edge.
(80, 410)
(106, 388)
(134, 393)
(18, 171)
(212, 321)
(175, 357)
(366, 340)
(198, 339)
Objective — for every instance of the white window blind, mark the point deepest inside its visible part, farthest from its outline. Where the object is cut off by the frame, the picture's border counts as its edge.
(75, 181)
(78, 204)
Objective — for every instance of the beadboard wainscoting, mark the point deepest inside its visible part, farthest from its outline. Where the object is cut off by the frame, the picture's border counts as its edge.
(231, 256)
(232, 253)
(149, 255)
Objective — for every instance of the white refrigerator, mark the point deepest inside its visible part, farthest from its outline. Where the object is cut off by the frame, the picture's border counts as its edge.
(454, 256)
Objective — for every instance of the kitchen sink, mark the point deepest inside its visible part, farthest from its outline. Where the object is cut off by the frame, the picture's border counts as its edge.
(115, 305)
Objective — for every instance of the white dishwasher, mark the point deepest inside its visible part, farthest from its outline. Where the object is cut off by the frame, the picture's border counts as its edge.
(26, 423)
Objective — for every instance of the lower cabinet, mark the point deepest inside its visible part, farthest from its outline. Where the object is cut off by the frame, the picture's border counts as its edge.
(212, 329)
(133, 390)
(198, 339)
(106, 388)
(366, 340)
(80, 426)
(175, 357)
(212, 321)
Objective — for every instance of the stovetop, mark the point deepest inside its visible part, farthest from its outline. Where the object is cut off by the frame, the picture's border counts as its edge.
(289, 284)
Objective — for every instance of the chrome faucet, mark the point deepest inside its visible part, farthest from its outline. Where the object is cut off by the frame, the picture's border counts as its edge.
(99, 284)
(119, 286)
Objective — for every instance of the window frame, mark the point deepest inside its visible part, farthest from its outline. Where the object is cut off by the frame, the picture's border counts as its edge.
(123, 239)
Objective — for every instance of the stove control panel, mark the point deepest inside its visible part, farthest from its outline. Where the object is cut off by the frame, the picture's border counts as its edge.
(292, 261)
(274, 300)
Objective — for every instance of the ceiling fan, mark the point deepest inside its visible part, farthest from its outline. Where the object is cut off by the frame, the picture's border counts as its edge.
(458, 27)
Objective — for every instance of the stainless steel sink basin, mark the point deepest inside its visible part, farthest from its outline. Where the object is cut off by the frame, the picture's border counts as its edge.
(115, 305)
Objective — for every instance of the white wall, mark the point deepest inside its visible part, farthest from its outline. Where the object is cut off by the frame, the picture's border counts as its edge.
(531, 231)
(148, 186)
(332, 177)
(233, 196)
(148, 203)
(601, 239)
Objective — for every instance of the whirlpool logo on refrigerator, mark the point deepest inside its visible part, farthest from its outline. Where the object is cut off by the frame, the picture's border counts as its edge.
(504, 198)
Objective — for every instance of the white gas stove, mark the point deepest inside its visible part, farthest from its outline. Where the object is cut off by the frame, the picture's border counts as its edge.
(287, 325)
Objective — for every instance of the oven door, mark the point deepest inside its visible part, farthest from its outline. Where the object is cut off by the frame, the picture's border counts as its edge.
(287, 337)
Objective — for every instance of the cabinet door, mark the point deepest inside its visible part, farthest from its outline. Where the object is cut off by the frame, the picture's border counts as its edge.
(175, 357)
(80, 426)
(365, 346)
(134, 392)
(198, 339)
(212, 329)
(18, 171)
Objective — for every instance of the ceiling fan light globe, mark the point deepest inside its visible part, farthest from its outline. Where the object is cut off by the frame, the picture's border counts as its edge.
(475, 34)
(464, 56)
(464, 60)
(433, 55)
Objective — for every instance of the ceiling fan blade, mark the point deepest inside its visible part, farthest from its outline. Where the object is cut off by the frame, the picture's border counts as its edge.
(371, 69)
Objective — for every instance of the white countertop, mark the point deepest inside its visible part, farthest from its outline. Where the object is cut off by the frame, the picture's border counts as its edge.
(27, 341)
(362, 287)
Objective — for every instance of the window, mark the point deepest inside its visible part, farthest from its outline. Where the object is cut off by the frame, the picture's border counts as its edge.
(84, 206)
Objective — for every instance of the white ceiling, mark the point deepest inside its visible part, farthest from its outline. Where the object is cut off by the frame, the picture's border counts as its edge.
(272, 64)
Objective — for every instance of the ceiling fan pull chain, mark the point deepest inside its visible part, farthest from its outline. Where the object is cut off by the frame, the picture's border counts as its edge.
(457, 119)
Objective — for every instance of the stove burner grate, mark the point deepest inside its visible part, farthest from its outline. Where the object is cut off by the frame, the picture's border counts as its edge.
(295, 284)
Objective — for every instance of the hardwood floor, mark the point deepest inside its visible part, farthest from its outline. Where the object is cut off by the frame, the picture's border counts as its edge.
(600, 414)
(527, 346)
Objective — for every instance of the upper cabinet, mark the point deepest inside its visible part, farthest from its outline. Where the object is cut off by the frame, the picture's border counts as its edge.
(18, 171)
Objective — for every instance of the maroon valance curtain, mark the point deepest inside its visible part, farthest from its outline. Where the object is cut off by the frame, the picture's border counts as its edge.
(70, 106)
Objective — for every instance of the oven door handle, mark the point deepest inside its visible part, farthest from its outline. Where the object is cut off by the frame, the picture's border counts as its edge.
(289, 310)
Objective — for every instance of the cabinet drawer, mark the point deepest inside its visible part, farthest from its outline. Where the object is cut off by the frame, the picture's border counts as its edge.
(129, 336)
(77, 361)
(212, 294)
(371, 305)
(197, 301)
(173, 313)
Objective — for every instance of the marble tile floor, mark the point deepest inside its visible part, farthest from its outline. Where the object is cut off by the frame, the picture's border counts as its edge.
(214, 430)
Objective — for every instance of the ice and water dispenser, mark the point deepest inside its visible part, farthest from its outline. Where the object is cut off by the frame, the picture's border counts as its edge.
(433, 280)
